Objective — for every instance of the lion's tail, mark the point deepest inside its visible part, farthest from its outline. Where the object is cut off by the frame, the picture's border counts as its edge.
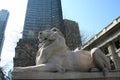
(100, 60)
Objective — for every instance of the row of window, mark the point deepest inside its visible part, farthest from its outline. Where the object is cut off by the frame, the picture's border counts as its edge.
(116, 44)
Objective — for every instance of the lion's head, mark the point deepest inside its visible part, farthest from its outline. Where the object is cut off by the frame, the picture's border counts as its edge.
(51, 43)
(49, 35)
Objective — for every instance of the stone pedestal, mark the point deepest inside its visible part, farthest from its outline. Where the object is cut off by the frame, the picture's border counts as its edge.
(66, 76)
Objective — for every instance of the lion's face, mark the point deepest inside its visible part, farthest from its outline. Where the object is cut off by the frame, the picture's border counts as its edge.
(48, 34)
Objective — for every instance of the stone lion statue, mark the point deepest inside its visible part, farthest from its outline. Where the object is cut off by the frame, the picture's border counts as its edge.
(54, 56)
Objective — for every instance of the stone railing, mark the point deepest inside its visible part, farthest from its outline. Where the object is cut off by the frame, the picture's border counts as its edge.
(113, 75)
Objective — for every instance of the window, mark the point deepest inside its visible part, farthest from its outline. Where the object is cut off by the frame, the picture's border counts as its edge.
(117, 44)
(105, 49)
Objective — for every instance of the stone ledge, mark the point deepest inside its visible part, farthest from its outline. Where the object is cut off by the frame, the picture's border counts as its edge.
(67, 75)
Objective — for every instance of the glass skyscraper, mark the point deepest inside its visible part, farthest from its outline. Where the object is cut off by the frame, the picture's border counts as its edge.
(3, 21)
(41, 15)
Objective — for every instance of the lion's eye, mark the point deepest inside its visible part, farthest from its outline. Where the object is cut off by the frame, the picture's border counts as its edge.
(54, 30)
(40, 33)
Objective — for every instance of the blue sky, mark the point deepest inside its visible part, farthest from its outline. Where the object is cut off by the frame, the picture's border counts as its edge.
(91, 15)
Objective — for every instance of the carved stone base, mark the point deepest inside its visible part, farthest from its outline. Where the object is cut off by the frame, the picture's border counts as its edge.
(65, 76)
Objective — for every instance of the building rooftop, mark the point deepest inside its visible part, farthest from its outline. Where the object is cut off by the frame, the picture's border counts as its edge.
(102, 32)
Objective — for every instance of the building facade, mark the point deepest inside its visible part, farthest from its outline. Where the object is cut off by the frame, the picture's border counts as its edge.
(41, 15)
(108, 40)
(72, 34)
(3, 21)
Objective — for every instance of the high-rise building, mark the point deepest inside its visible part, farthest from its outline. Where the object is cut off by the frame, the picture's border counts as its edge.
(41, 15)
(72, 34)
(3, 21)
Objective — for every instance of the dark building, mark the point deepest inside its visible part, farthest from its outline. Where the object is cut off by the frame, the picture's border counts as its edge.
(41, 15)
(3, 21)
(72, 34)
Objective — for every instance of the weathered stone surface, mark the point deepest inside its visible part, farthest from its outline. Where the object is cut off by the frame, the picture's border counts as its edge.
(65, 76)
(25, 52)
(54, 55)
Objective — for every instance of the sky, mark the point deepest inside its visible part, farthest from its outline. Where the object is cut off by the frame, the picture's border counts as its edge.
(17, 9)
(91, 15)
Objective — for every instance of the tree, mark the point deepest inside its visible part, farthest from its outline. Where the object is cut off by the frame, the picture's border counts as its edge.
(85, 37)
